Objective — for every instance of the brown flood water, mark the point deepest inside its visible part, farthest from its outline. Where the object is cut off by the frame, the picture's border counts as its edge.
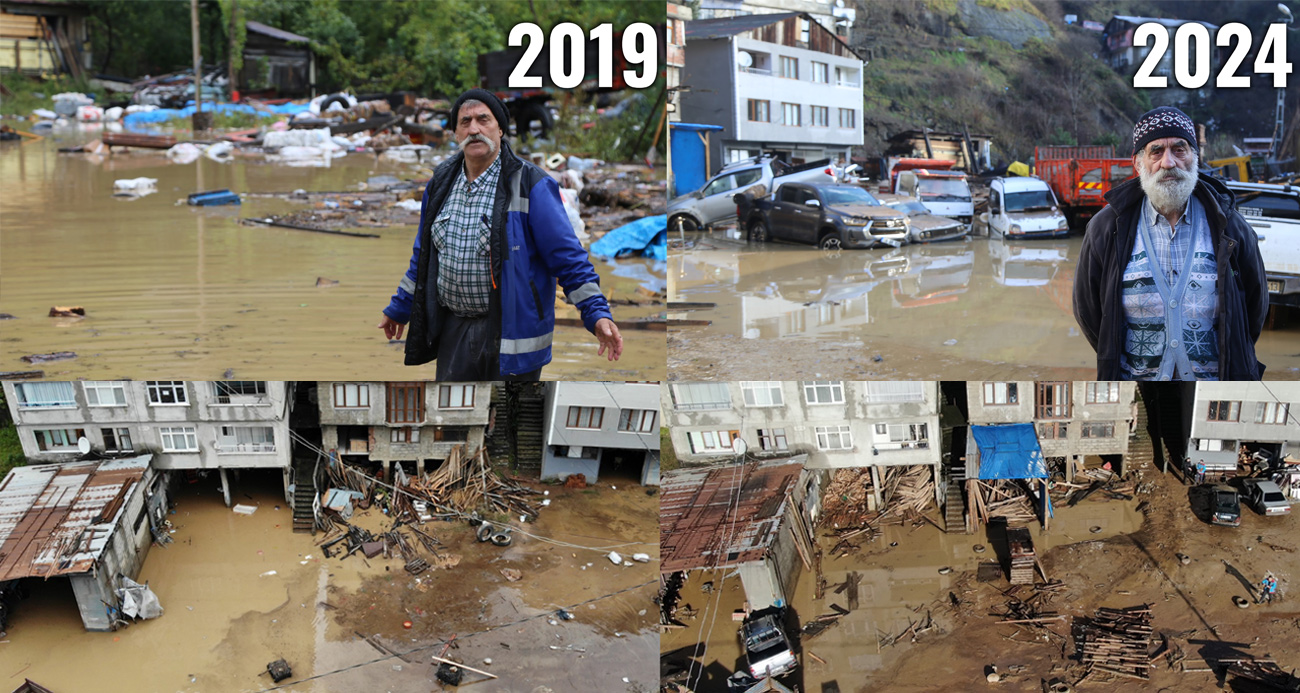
(960, 310)
(191, 292)
(898, 585)
(226, 618)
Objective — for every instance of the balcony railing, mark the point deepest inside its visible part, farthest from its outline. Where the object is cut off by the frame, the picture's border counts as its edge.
(244, 448)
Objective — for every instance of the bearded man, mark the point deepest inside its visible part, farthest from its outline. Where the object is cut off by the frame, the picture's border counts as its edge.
(1170, 283)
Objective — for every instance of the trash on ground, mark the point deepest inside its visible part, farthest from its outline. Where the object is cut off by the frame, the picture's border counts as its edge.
(212, 198)
(245, 509)
(67, 311)
(45, 358)
(135, 187)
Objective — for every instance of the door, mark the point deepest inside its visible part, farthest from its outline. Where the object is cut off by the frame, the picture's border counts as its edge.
(786, 212)
(717, 204)
(996, 216)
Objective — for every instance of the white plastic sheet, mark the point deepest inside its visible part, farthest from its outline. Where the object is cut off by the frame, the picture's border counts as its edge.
(138, 601)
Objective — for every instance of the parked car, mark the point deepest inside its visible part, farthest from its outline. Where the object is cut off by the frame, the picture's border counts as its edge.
(1266, 497)
(1274, 212)
(944, 193)
(767, 649)
(1225, 508)
(830, 216)
(1021, 207)
(926, 227)
(713, 203)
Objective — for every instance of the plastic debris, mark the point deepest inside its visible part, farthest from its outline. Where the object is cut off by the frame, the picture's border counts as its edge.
(641, 557)
(135, 187)
(615, 558)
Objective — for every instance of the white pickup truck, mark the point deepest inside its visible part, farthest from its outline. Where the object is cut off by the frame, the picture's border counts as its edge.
(713, 203)
(1274, 212)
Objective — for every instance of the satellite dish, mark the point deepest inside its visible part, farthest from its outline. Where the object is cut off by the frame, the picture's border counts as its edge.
(83, 445)
(739, 446)
(744, 59)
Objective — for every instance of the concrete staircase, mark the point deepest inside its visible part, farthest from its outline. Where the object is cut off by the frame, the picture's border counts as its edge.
(304, 492)
(954, 506)
(528, 420)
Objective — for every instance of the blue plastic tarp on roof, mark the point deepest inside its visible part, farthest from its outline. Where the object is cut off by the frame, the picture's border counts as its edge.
(1009, 451)
(647, 236)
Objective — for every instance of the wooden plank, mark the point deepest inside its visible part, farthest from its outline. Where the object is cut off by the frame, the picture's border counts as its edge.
(315, 229)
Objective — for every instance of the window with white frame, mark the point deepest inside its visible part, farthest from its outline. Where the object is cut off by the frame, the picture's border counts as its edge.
(246, 439)
(1097, 429)
(405, 434)
(166, 392)
(704, 442)
(772, 439)
(821, 72)
(585, 417)
(805, 29)
(1001, 393)
(834, 437)
(105, 393)
(790, 114)
(819, 116)
(351, 396)
(762, 393)
(823, 391)
(59, 439)
(881, 391)
(456, 396)
(239, 392)
(848, 118)
(1271, 412)
(789, 67)
(1101, 393)
(700, 396)
(901, 436)
(637, 420)
(117, 439)
(179, 439)
(846, 77)
(45, 395)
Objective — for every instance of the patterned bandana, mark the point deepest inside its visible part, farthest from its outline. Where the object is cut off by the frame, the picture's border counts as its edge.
(1162, 122)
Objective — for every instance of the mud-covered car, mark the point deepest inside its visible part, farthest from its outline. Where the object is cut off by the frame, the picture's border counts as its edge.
(1266, 497)
(767, 649)
(926, 227)
(829, 216)
(1225, 508)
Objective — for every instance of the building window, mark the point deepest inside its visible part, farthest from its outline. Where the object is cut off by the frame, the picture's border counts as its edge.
(351, 396)
(239, 391)
(451, 434)
(1098, 429)
(906, 435)
(845, 77)
(700, 396)
(789, 67)
(712, 441)
(760, 111)
(848, 118)
(179, 439)
(772, 439)
(246, 439)
(117, 439)
(585, 417)
(637, 420)
(820, 116)
(1102, 393)
(164, 392)
(1271, 412)
(1052, 430)
(59, 439)
(1001, 393)
(1053, 400)
(805, 28)
(405, 403)
(1224, 411)
(880, 391)
(105, 393)
(405, 434)
(456, 396)
(790, 114)
(821, 72)
(762, 393)
(823, 391)
(834, 437)
(42, 395)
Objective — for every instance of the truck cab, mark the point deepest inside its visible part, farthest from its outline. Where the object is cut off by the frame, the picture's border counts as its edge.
(767, 649)
(1274, 212)
(944, 193)
(1023, 207)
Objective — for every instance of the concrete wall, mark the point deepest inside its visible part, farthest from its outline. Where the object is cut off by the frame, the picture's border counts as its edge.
(761, 583)
(650, 471)
(711, 98)
(1249, 394)
(124, 554)
(1120, 414)
(612, 398)
(375, 417)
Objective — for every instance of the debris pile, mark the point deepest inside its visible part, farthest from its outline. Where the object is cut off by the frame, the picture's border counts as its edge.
(907, 493)
(1115, 641)
(1265, 672)
(1001, 498)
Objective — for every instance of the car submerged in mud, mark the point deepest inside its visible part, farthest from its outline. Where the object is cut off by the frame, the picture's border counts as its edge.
(767, 649)
(829, 216)
(925, 226)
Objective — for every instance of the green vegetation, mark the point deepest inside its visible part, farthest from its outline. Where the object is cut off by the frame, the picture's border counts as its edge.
(582, 132)
(30, 94)
(229, 121)
(11, 451)
(667, 456)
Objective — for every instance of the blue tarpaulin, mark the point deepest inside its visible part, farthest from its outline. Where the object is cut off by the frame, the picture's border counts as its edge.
(646, 236)
(143, 118)
(689, 142)
(1009, 451)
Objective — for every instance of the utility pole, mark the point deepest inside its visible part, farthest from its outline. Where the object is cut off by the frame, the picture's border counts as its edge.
(234, 23)
(197, 121)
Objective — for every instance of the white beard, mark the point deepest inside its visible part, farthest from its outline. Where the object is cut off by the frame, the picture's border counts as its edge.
(1169, 189)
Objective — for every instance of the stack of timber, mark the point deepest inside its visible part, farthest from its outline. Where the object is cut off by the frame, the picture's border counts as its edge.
(908, 492)
(1000, 498)
(1116, 641)
(845, 500)
(1022, 556)
(1264, 672)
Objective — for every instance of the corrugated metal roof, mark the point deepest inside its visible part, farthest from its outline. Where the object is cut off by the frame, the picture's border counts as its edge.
(260, 28)
(52, 516)
(730, 26)
(699, 509)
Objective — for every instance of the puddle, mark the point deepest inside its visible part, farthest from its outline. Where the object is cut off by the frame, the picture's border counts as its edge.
(191, 287)
(925, 310)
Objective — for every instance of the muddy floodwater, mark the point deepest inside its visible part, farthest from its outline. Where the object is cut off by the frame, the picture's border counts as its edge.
(241, 591)
(960, 310)
(190, 291)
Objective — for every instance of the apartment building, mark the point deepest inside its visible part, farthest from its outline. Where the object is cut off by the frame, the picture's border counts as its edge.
(1263, 416)
(777, 83)
(186, 425)
(602, 428)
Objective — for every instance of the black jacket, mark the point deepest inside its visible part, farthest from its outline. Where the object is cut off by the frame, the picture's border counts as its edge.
(1243, 289)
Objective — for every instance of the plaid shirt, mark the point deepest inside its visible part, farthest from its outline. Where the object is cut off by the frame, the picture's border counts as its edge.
(461, 234)
(1171, 244)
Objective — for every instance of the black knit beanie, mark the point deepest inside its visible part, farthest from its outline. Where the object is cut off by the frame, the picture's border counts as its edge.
(1162, 122)
(489, 99)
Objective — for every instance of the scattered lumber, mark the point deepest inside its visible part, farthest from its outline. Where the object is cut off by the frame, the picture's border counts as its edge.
(1116, 641)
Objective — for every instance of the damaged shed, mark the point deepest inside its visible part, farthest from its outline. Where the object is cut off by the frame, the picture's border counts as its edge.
(279, 60)
(89, 521)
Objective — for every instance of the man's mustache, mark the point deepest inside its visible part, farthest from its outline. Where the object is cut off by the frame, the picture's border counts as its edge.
(477, 138)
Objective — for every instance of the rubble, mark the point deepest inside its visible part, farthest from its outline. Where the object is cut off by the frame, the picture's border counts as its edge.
(1115, 641)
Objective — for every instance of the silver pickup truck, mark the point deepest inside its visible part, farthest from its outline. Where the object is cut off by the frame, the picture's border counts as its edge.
(1274, 212)
(713, 203)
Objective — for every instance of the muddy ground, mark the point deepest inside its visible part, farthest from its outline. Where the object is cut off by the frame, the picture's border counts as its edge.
(957, 310)
(226, 615)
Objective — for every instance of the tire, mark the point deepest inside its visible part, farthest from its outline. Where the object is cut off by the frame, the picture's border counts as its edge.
(830, 241)
(484, 532)
(534, 112)
(502, 539)
(759, 232)
(340, 99)
(687, 222)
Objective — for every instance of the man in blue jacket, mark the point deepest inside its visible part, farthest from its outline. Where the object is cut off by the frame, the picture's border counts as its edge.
(494, 237)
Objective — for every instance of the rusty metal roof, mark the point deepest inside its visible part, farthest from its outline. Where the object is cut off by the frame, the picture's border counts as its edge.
(56, 519)
(713, 517)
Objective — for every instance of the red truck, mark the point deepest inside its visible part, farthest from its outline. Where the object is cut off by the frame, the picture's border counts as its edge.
(1081, 176)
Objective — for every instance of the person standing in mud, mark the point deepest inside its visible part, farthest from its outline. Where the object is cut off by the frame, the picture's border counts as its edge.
(493, 240)
(1170, 283)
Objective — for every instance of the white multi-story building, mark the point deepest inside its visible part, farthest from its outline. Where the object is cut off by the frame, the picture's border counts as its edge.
(602, 426)
(1223, 416)
(187, 425)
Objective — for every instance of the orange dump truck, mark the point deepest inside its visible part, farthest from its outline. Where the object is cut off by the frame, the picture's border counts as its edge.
(1081, 176)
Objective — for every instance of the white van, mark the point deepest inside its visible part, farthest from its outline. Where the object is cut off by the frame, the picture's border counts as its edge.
(944, 193)
(1023, 207)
